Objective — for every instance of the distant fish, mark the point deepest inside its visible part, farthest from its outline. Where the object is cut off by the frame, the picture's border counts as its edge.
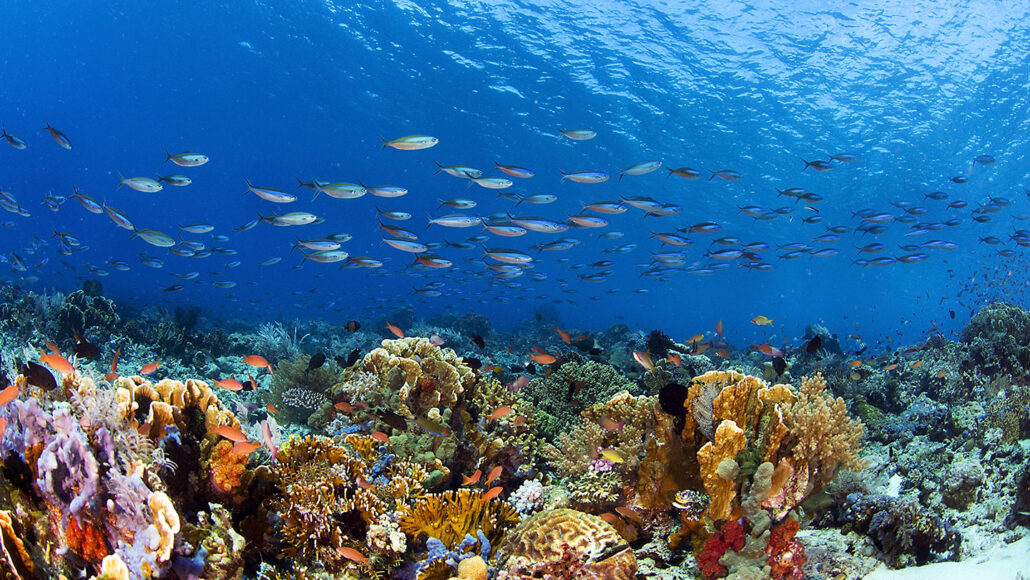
(585, 176)
(270, 194)
(762, 321)
(640, 168)
(176, 180)
(984, 160)
(12, 140)
(843, 157)
(725, 175)
(684, 172)
(141, 184)
(154, 238)
(578, 134)
(352, 326)
(462, 171)
(814, 345)
(63, 141)
(818, 165)
(349, 360)
(186, 159)
(410, 142)
(38, 376)
(395, 330)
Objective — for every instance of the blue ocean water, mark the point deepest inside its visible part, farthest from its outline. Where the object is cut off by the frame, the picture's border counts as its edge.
(275, 91)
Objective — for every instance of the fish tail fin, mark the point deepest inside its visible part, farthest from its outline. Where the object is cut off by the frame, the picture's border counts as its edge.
(429, 221)
(121, 182)
(318, 190)
(564, 176)
(47, 127)
(439, 167)
(300, 182)
(670, 172)
(168, 156)
(620, 176)
(383, 139)
(713, 174)
(807, 163)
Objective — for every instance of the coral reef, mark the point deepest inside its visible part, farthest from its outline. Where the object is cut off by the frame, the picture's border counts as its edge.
(569, 389)
(298, 392)
(564, 543)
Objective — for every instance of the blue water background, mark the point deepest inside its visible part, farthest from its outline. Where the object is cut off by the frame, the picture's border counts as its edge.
(273, 91)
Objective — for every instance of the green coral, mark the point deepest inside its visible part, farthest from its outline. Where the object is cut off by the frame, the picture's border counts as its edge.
(571, 388)
(82, 312)
(298, 392)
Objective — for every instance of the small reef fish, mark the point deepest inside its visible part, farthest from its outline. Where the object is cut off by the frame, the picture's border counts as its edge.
(230, 433)
(175, 180)
(640, 168)
(57, 362)
(585, 176)
(380, 436)
(230, 384)
(494, 474)
(564, 335)
(270, 194)
(515, 171)
(609, 424)
(543, 358)
(578, 134)
(462, 171)
(9, 394)
(271, 409)
(352, 555)
(186, 159)
(492, 493)
(762, 321)
(245, 448)
(643, 358)
(471, 479)
(434, 427)
(153, 237)
(12, 140)
(499, 412)
(410, 142)
(258, 361)
(394, 330)
(63, 141)
(612, 455)
(141, 184)
(149, 368)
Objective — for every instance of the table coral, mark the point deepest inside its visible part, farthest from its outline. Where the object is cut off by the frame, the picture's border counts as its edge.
(565, 543)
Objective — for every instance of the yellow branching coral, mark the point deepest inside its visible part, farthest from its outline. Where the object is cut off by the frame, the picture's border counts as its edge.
(450, 515)
(821, 432)
(713, 458)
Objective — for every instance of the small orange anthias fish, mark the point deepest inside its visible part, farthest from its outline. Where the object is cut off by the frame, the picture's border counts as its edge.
(57, 362)
(230, 433)
(244, 448)
(114, 367)
(494, 474)
(543, 359)
(271, 409)
(9, 394)
(394, 330)
(230, 384)
(352, 554)
(471, 479)
(499, 412)
(675, 359)
(149, 368)
(564, 335)
(492, 493)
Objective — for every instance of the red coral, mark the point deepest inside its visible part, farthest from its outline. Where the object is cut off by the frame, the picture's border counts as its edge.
(85, 540)
(786, 554)
(730, 536)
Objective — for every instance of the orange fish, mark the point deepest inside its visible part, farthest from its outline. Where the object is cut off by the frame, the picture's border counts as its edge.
(473, 479)
(245, 448)
(940, 373)
(492, 493)
(610, 518)
(230, 384)
(629, 514)
(58, 363)
(718, 328)
(111, 377)
(855, 363)
(769, 349)
(363, 483)
(564, 335)
(396, 331)
(3, 425)
(494, 474)
(144, 429)
(352, 554)
(253, 382)
(53, 348)
(675, 359)
(538, 350)
(499, 412)
(230, 433)
(258, 361)
(543, 359)
(916, 364)
(890, 367)
(114, 363)
(344, 406)
(149, 368)
(609, 424)
(697, 338)
(701, 348)
(519, 421)
(381, 437)
(723, 353)
(644, 359)
(271, 409)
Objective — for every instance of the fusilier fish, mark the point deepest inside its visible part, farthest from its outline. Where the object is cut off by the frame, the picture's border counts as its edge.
(186, 159)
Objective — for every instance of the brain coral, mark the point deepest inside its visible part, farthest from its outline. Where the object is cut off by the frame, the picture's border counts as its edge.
(565, 543)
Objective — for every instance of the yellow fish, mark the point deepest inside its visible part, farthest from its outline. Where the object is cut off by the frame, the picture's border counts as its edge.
(612, 455)
(762, 321)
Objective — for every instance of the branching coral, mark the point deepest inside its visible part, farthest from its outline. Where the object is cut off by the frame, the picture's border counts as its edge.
(572, 387)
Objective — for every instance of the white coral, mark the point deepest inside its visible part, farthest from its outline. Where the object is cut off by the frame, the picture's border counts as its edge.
(528, 498)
